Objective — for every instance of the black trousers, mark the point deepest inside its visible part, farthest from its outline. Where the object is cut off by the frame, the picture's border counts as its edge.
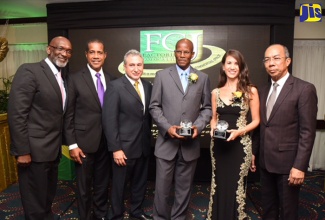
(37, 185)
(135, 171)
(279, 200)
(92, 184)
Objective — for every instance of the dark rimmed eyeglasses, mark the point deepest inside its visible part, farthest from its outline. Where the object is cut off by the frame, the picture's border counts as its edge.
(61, 50)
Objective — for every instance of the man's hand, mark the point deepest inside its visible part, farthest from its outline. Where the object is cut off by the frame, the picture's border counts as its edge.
(76, 155)
(195, 132)
(119, 158)
(172, 131)
(296, 177)
(24, 160)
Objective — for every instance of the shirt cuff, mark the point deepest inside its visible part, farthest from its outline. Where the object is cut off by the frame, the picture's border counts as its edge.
(73, 146)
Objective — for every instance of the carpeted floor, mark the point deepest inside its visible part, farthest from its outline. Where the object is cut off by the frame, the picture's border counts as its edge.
(312, 200)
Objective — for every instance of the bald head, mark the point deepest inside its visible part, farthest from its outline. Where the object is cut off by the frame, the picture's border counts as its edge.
(59, 51)
(185, 41)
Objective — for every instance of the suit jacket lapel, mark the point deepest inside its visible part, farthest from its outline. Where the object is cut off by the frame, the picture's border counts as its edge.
(90, 83)
(281, 97)
(190, 85)
(263, 96)
(130, 88)
(174, 74)
(51, 77)
(146, 94)
(107, 79)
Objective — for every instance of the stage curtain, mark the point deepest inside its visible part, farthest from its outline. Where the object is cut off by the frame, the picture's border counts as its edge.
(309, 64)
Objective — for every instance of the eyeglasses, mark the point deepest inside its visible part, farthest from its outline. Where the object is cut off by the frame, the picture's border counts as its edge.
(275, 59)
(179, 52)
(61, 50)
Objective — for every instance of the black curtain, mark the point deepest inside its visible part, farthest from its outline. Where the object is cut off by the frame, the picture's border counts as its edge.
(279, 14)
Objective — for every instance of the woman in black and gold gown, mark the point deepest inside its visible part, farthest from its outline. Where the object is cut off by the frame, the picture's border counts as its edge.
(231, 157)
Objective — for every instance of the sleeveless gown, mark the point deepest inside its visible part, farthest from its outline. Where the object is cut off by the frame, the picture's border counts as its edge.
(230, 165)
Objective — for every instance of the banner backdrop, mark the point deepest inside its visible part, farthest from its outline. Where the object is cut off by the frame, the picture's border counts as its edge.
(157, 45)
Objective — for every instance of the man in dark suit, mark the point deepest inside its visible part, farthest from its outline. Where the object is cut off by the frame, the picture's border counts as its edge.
(35, 116)
(286, 135)
(127, 126)
(84, 134)
(176, 156)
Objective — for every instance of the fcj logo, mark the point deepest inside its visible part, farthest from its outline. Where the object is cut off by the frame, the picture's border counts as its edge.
(157, 48)
(310, 13)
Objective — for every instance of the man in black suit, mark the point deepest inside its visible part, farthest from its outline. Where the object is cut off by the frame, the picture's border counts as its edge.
(286, 137)
(35, 116)
(84, 134)
(127, 126)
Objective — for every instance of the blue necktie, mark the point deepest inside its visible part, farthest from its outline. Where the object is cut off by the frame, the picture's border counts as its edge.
(184, 80)
(100, 89)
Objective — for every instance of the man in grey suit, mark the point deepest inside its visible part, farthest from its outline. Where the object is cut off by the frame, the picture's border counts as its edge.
(172, 101)
(286, 136)
(35, 115)
(84, 133)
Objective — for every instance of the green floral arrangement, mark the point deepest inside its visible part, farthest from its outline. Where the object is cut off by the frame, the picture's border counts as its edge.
(4, 93)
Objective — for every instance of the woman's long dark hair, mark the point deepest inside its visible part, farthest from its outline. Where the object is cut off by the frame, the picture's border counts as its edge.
(244, 84)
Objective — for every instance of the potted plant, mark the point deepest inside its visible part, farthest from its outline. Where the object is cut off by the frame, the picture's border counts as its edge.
(4, 93)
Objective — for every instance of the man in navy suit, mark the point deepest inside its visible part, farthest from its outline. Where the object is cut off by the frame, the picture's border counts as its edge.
(35, 116)
(127, 126)
(286, 136)
(84, 134)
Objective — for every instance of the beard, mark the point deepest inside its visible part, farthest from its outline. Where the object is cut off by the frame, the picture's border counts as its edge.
(59, 63)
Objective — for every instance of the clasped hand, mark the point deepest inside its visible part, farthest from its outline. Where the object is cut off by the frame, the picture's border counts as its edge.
(119, 158)
(24, 160)
(233, 133)
(172, 132)
(76, 154)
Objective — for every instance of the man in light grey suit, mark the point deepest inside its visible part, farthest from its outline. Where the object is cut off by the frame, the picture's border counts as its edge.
(176, 156)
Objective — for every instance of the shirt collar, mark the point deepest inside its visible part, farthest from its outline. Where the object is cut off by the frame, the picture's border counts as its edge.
(52, 66)
(93, 72)
(281, 81)
(180, 71)
(132, 81)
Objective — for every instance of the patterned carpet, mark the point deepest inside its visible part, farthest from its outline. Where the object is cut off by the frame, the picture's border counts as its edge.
(312, 200)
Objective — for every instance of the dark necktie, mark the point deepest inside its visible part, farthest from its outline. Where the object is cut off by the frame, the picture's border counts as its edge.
(100, 89)
(270, 103)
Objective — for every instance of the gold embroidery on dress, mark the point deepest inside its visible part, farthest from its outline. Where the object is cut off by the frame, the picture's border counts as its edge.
(244, 168)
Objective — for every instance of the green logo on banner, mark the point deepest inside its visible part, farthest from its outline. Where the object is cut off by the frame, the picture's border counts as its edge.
(157, 47)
